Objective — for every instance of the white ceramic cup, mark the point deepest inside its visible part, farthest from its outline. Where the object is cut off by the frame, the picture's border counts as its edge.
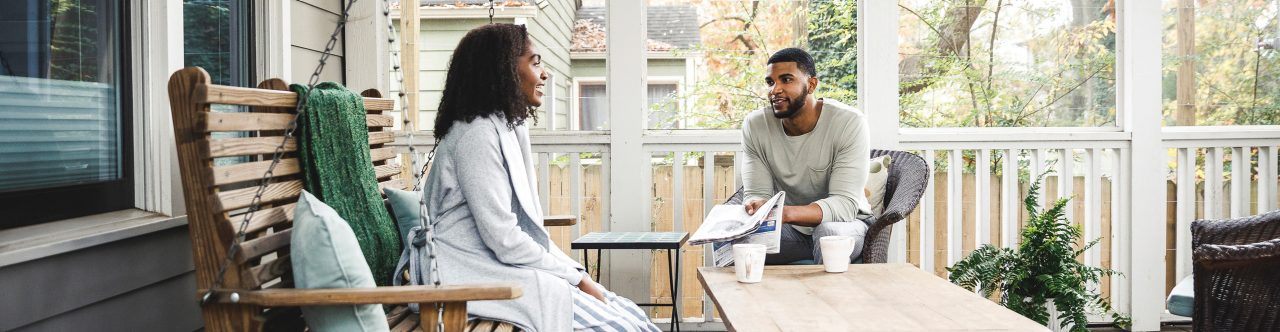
(835, 252)
(748, 262)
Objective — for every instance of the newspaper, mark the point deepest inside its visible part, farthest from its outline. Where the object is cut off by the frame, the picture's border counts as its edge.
(727, 225)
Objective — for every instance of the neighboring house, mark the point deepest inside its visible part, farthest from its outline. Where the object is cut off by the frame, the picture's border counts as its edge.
(444, 22)
(672, 34)
(570, 38)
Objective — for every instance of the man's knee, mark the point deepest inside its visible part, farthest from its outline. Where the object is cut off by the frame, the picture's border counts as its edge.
(855, 229)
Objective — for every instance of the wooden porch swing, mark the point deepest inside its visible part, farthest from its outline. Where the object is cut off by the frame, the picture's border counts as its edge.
(257, 292)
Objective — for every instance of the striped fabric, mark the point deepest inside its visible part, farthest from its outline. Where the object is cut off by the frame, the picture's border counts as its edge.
(620, 315)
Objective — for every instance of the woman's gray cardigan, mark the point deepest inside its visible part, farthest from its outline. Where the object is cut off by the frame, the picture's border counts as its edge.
(488, 220)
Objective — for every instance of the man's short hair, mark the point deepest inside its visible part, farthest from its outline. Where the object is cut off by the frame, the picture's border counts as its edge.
(799, 56)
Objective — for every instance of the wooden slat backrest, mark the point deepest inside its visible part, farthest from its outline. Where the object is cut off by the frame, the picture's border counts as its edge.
(216, 196)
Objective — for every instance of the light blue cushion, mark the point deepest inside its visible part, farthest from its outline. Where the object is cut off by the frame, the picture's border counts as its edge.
(1182, 300)
(325, 254)
(406, 209)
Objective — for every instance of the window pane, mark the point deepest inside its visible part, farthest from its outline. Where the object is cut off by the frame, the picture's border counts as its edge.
(60, 113)
(716, 52)
(588, 67)
(1011, 63)
(1221, 65)
(216, 39)
(593, 109)
(664, 106)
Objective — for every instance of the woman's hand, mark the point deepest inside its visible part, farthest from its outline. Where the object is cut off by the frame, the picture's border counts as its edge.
(592, 288)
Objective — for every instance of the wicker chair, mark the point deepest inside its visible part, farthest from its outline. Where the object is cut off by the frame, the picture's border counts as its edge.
(908, 175)
(1237, 273)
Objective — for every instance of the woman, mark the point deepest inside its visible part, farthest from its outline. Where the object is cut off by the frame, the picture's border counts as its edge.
(480, 192)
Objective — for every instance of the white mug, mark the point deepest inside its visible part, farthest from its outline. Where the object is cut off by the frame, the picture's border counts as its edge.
(835, 252)
(748, 262)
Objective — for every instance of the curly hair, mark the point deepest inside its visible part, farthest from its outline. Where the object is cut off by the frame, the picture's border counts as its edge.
(483, 78)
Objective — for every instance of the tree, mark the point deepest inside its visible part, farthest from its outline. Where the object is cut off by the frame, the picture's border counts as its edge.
(833, 42)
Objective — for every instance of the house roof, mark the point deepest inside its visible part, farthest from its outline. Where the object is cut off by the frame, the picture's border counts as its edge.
(669, 27)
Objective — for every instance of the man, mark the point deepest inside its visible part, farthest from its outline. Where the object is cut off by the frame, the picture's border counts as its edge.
(814, 149)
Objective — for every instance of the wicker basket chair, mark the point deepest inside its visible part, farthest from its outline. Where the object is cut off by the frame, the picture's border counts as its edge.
(1236, 264)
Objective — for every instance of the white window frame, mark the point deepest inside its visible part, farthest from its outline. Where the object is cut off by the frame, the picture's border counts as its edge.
(575, 110)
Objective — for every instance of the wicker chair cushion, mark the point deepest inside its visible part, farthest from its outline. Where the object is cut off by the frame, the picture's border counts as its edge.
(326, 255)
(1182, 301)
(877, 181)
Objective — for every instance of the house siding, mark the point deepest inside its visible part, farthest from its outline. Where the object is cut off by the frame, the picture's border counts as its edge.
(143, 283)
(311, 24)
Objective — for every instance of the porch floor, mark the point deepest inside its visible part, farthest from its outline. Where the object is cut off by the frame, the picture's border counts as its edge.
(1179, 327)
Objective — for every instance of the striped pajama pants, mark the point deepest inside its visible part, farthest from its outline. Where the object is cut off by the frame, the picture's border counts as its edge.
(620, 315)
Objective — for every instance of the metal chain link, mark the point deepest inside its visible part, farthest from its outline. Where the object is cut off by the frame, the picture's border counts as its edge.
(256, 203)
(490, 11)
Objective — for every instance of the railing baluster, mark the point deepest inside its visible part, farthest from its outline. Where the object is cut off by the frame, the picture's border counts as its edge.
(1038, 158)
(544, 181)
(1186, 210)
(737, 170)
(955, 208)
(1240, 179)
(926, 217)
(575, 192)
(1066, 181)
(982, 210)
(677, 191)
(646, 179)
(606, 219)
(1093, 205)
(1266, 179)
(1009, 194)
(1213, 184)
(1120, 230)
(708, 195)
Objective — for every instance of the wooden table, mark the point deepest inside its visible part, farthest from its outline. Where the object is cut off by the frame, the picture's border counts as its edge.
(869, 297)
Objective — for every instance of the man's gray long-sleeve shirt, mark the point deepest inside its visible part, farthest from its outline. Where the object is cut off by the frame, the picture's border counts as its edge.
(827, 166)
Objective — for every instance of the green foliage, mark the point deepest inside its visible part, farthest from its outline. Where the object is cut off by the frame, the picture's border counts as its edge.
(1236, 81)
(1007, 63)
(833, 42)
(1041, 269)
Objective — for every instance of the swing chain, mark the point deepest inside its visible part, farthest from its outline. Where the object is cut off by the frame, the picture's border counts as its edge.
(256, 203)
(434, 270)
(490, 11)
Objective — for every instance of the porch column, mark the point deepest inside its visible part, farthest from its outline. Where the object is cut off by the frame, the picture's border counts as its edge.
(1143, 234)
(878, 89)
(878, 70)
(629, 193)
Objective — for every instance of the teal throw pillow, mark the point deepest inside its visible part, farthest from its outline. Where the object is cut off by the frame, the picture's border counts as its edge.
(325, 254)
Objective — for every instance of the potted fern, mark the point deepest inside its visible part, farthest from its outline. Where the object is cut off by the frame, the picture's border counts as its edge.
(1041, 277)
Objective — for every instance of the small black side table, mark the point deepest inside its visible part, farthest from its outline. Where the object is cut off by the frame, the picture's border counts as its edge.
(669, 241)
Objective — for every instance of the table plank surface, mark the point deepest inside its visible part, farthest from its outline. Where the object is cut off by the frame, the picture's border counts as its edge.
(869, 297)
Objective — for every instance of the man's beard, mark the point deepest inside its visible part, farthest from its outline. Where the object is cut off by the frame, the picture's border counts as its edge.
(793, 106)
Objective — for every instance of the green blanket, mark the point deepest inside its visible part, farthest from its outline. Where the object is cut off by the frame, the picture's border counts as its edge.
(333, 147)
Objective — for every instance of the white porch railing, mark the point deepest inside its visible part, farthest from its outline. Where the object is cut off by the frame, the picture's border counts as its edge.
(974, 196)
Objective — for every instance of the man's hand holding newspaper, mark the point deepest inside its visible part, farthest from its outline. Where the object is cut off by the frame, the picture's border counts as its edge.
(726, 225)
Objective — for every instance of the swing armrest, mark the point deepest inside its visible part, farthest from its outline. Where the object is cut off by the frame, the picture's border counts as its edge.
(292, 297)
(562, 220)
